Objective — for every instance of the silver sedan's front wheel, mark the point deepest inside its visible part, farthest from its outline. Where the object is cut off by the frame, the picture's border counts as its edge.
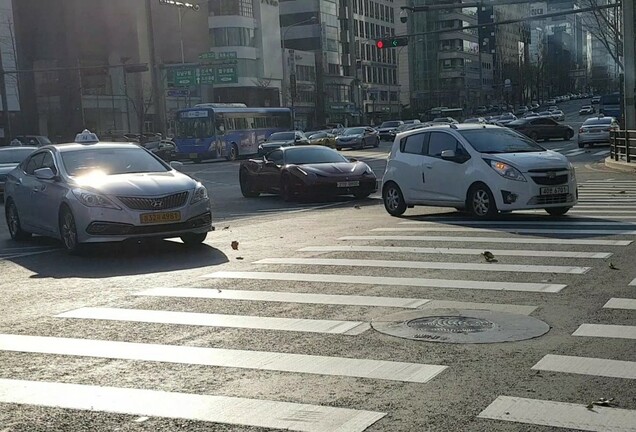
(68, 230)
(13, 222)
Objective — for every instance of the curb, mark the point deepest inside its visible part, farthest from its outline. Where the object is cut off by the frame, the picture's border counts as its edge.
(620, 165)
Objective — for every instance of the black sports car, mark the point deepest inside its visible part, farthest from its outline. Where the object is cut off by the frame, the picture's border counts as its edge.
(306, 171)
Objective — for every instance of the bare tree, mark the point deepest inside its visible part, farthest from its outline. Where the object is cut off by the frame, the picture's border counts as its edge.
(141, 102)
(605, 26)
(262, 82)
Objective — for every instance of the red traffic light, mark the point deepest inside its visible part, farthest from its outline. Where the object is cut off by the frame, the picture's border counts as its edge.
(380, 44)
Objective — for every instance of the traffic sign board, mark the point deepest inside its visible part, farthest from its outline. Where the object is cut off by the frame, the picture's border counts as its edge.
(227, 75)
(227, 55)
(207, 55)
(185, 77)
(207, 75)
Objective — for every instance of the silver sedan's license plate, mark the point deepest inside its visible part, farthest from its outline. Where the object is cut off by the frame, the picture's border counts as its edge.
(555, 190)
(348, 184)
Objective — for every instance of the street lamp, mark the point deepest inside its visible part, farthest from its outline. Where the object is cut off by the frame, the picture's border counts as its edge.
(181, 6)
(313, 19)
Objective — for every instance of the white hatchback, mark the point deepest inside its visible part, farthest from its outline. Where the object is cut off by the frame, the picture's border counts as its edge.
(482, 169)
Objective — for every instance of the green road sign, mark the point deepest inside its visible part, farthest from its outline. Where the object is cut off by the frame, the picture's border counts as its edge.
(207, 75)
(226, 75)
(226, 55)
(207, 56)
(185, 77)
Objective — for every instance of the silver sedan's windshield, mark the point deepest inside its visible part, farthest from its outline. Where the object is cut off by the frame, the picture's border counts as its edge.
(110, 161)
(500, 141)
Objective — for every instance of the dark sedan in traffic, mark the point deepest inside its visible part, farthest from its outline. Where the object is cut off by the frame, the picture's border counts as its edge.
(542, 128)
(358, 138)
(307, 171)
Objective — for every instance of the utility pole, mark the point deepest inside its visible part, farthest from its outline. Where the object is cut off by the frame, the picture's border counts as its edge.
(629, 61)
(5, 104)
(157, 95)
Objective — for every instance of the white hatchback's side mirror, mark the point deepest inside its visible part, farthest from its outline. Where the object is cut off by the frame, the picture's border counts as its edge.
(448, 154)
(176, 164)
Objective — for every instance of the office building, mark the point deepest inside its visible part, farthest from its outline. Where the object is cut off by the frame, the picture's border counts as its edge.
(8, 62)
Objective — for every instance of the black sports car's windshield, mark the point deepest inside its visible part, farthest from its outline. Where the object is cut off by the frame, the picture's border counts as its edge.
(110, 161)
(499, 141)
(282, 136)
(353, 131)
(310, 155)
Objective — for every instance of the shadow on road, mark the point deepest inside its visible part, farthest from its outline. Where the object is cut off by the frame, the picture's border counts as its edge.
(125, 259)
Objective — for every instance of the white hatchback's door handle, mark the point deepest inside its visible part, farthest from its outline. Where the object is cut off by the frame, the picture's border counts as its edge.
(429, 166)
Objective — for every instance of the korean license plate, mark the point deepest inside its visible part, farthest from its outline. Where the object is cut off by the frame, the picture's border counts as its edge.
(555, 190)
(348, 184)
(163, 217)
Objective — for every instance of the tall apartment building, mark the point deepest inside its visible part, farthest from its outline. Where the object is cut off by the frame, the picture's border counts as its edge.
(509, 46)
(248, 32)
(447, 69)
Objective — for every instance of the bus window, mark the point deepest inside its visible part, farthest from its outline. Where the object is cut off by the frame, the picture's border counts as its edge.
(219, 125)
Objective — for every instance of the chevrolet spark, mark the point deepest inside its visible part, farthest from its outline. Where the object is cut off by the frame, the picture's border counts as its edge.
(481, 169)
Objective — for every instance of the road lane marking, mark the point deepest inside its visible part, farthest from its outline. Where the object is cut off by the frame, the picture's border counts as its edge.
(245, 359)
(573, 153)
(577, 222)
(219, 320)
(458, 251)
(587, 366)
(391, 281)
(494, 240)
(560, 414)
(510, 230)
(601, 153)
(621, 303)
(207, 408)
(434, 265)
(606, 331)
(286, 297)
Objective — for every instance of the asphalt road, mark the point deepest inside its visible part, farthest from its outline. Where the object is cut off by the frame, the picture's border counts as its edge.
(276, 334)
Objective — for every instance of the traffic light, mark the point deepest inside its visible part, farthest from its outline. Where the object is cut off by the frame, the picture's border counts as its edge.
(393, 42)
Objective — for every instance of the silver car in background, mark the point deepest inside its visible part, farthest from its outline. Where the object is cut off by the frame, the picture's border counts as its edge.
(10, 157)
(596, 130)
(103, 192)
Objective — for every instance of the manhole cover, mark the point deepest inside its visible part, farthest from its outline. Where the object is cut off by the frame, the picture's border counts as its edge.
(461, 326)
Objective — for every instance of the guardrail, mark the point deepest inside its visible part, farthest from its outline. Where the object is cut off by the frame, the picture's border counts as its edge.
(623, 145)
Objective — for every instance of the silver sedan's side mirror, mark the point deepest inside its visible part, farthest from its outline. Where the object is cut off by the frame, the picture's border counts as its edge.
(44, 174)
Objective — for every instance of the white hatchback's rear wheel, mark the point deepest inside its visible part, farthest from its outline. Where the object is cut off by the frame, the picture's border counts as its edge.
(393, 199)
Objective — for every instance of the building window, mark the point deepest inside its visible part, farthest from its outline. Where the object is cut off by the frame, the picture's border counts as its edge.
(232, 36)
(305, 73)
(231, 7)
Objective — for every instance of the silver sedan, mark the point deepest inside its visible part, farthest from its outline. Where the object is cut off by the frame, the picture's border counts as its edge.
(596, 130)
(103, 192)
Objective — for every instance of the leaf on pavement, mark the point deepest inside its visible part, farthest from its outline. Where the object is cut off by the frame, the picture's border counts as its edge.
(235, 245)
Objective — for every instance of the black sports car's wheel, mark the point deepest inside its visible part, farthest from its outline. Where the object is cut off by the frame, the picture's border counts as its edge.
(481, 202)
(286, 191)
(193, 239)
(581, 145)
(557, 211)
(247, 186)
(68, 231)
(568, 135)
(534, 136)
(13, 222)
(393, 199)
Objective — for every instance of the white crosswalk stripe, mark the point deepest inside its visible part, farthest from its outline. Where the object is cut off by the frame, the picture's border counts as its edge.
(587, 366)
(489, 267)
(574, 153)
(633, 283)
(602, 153)
(606, 330)
(208, 408)
(378, 280)
(524, 222)
(219, 320)
(510, 230)
(620, 303)
(560, 414)
(458, 251)
(521, 240)
(261, 360)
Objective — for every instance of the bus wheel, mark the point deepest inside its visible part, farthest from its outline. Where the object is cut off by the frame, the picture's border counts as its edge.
(234, 152)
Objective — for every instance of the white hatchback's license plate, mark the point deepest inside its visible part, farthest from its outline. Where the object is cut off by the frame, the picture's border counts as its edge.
(556, 190)
(348, 184)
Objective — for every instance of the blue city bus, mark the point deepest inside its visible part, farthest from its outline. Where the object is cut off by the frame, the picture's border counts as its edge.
(610, 105)
(213, 131)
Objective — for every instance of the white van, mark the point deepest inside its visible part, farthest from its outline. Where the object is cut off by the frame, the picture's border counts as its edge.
(482, 169)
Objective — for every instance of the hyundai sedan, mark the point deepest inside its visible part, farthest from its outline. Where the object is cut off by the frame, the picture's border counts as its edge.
(103, 192)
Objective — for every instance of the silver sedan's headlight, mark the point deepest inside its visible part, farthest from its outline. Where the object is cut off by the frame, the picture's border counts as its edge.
(92, 199)
(200, 194)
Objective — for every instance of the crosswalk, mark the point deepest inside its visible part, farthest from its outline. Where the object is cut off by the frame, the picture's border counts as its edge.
(572, 151)
(546, 258)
